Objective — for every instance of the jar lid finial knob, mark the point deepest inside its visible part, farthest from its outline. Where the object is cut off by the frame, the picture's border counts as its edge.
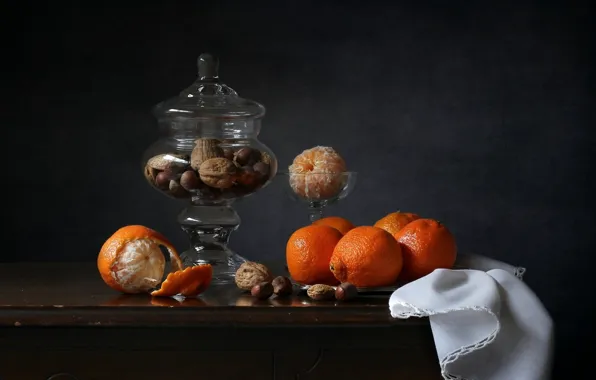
(208, 67)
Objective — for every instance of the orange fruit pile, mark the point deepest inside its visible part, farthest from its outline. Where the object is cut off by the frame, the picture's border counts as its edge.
(131, 261)
(399, 247)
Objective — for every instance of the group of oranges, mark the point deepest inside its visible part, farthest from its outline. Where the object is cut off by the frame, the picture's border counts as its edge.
(400, 247)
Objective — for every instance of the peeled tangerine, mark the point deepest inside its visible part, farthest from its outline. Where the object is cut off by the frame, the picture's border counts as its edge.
(316, 173)
(131, 261)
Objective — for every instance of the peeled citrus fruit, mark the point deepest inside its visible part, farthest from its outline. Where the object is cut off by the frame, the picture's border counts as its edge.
(367, 257)
(426, 245)
(316, 173)
(308, 251)
(395, 221)
(341, 224)
(131, 261)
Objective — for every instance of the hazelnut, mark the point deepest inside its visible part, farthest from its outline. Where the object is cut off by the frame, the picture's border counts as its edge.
(228, 153)
(162, 180)
(247, 176)
(282, 286)
(262, 290)
(218, 172)
(250, 274)
(321, 292)
(190, 180)
(345, 291)
(177, 190)
(247, 156)
(261, 168)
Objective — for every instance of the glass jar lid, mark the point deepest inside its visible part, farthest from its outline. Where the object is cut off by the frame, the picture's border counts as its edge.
(209, 98)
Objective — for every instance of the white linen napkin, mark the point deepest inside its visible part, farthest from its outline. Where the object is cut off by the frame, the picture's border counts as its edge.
(486, 325)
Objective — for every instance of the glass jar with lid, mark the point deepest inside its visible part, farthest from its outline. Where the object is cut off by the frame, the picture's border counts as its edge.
(209, 154)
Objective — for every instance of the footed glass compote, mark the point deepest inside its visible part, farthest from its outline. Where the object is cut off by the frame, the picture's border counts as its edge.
(318, 190)
(209, 155)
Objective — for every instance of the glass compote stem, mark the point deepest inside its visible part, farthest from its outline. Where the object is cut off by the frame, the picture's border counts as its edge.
(209, 227)
(315, 210)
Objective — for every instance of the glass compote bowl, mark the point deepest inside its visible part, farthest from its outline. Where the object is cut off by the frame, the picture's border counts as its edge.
(318, 190)
(209, 155)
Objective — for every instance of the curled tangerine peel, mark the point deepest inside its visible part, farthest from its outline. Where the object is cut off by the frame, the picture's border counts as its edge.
(189, 282)
(130, 261)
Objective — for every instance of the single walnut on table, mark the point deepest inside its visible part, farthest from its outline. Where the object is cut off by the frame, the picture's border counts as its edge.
(250, 274)
(218, 172)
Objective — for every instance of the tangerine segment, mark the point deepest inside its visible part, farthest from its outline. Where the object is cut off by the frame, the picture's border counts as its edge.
(130, 261)
(139, 267)
(189, 282)
(316, 173)
(317, 186)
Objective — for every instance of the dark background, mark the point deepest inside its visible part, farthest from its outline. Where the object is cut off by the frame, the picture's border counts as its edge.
(478, 115)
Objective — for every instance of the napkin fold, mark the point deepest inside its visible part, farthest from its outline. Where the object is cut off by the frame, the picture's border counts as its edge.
(487, 325)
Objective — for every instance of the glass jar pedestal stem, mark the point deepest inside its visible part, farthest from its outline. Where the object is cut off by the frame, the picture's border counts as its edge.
(208, 228)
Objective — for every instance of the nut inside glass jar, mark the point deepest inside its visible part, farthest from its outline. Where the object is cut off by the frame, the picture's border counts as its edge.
(214, 170)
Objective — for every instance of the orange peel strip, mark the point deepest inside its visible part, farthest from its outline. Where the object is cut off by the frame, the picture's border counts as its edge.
(189, 282)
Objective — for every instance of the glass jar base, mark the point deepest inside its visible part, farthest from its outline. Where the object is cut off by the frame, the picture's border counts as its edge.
(224, 263)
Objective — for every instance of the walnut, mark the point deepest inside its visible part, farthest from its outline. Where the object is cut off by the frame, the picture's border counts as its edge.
(250, 274)
(266, 158)
(151, 174)
(218, 172)
(169, 162)
(204, 150)
(321, 292)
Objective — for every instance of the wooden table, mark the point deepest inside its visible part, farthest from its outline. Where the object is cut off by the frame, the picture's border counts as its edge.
(59, 321)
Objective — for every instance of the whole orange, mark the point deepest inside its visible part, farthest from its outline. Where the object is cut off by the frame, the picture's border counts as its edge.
(341, 224)
(367, 257)
(395, 221)
(308, 252)
(426, 245)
